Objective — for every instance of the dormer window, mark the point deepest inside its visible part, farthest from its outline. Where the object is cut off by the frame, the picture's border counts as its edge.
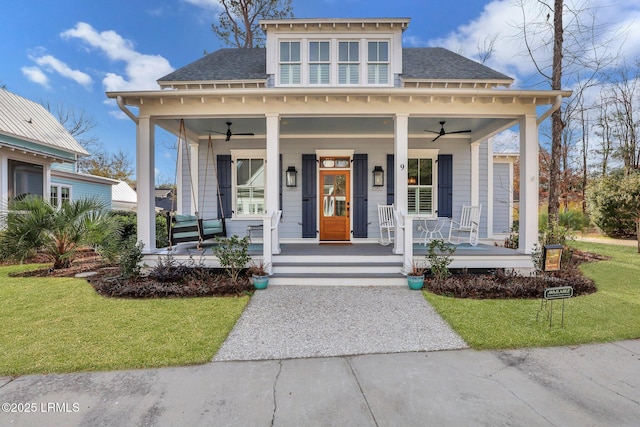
(348, 63)
(290, 63)
(378, 63)
(319, 63)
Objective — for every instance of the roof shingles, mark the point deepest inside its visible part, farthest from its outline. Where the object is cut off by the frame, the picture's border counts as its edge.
(430, 63)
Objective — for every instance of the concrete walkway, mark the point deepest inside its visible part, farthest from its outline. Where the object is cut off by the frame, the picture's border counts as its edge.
(592, 385)
(287, 322)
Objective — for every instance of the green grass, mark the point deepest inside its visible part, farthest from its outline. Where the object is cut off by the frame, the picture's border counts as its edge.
(611, 314)
(62, 325)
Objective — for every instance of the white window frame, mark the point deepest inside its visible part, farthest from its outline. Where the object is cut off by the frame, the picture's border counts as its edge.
(426, 154)
(377, 63)
(319, 62)
(290, 63)
(253, 155)
(357, 63)
(58, 188)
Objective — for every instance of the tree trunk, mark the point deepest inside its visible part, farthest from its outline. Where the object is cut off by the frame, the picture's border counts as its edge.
(556, 117)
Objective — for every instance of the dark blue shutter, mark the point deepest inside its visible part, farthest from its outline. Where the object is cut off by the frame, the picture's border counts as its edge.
(360, 187)
(309, 191)
(445, 185)
(390, 179)
(223, 164)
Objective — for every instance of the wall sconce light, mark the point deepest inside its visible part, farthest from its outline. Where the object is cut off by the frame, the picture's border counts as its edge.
(378, 176)
(292, 176)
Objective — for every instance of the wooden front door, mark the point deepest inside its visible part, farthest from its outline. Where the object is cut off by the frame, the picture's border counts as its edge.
(334, 205)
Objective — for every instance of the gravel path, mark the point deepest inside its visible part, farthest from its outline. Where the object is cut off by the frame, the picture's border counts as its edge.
(286, 322)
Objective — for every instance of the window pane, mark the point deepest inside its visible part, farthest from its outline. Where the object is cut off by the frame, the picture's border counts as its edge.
(65, 194)
(426, 177)
(343, 51)
(243, 171)
(295, 52)
(25, 179)
(284, 51)
(373, 51)
(412, 172)
(53, 197)
(383, 51)
(314, 51)
(324, 51)
(354, 53)
(257, 172)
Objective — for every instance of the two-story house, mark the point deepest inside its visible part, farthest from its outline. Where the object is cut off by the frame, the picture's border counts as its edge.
(331, 119)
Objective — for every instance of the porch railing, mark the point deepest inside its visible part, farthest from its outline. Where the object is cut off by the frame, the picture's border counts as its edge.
(270, 238)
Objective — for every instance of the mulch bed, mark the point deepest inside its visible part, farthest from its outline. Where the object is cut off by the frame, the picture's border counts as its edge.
(182, 281)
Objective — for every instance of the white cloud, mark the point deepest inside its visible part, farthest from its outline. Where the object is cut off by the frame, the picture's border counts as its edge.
(36, 75)
(206, 4)
(141, 70)
(502, 19)
(52, 64)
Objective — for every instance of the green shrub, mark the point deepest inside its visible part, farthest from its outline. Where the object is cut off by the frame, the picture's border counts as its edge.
(439, 256)
(233, 254)
(130, 259)
(128, 221)
(614, 203)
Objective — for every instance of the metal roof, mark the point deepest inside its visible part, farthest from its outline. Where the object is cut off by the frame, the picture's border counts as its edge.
(30, 121)
(122, 192)
(234, 64)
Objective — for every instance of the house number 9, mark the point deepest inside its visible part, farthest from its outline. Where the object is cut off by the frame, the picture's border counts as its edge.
(402, 166)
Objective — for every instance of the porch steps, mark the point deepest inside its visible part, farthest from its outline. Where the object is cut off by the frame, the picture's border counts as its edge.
(332, 270)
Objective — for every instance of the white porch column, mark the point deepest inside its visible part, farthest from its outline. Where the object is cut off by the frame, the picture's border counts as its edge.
(273, 176)
(528, 212)
(180, 196)
(475, 173)
(401, 156)
(4, 185)
(194, 160)
(145, 177)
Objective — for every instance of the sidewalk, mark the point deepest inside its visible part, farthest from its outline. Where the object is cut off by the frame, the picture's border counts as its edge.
(564, 386)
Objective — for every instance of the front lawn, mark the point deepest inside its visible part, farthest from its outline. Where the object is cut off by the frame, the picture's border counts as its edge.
(610, 314)
(63, 325)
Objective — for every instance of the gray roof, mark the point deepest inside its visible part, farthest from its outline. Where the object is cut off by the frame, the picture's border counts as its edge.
(441, 64)
(30, 121)
(250, 64)
(224, 65)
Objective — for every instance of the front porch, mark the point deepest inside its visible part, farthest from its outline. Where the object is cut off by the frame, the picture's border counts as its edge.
(356, 264)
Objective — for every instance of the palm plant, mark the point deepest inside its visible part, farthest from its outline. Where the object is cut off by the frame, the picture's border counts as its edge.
(33, 226)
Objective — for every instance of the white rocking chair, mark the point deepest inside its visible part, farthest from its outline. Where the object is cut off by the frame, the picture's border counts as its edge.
(469, 224)
(387, 223)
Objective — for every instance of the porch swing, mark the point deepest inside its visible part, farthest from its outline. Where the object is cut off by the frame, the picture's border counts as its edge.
(192, 228)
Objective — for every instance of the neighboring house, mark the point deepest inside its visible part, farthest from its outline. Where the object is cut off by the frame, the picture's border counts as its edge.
(335, 100)
(123, 197)
(38, 156)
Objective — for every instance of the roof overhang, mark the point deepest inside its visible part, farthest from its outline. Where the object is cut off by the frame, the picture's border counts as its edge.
(481, 96)
(36, 153)
(334, 23)
(94, 179)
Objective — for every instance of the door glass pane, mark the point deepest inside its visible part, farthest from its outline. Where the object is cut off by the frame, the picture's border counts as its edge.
(341, 195)
(328, 189)
(425, 172)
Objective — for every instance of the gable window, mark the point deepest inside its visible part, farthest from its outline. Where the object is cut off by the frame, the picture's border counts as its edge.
(59, 195)
(249, 182)
(378, 63)
(290, 63)
(319, 63)
(422, 183)
(348, 63)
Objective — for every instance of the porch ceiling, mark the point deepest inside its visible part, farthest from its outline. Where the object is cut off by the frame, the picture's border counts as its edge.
(320, 126)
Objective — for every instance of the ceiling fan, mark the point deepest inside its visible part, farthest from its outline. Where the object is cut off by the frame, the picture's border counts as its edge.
(442, 132)
(229, 134)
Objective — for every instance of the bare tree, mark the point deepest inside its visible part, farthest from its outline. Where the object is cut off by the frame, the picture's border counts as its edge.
(625, 127)
(575, 62)
(238, 25)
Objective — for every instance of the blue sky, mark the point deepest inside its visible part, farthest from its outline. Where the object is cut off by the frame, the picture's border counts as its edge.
(71, 52)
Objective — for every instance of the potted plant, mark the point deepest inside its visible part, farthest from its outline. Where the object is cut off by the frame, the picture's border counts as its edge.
(259, 273)
(415, 275)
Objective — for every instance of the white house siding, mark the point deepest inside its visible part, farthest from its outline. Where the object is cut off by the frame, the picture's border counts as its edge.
(292, 151)
(501, 198)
